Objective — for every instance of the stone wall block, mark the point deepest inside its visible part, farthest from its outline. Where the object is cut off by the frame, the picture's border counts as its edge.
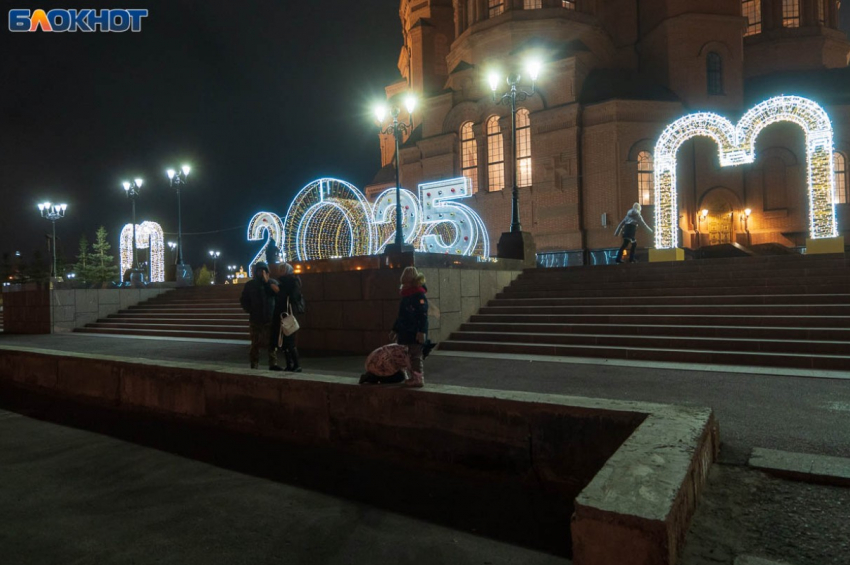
(450, 322)
(64, 313)
(63, 298)
(390, 310)
(362, 315)
(161, 389)
(83, 318)
(326, 315)
(129, 297)
(86, 300)
(432, 281)
(470, 283)
(312, 286)
(106, 309)
(469, 306)
(380, 284)
(109, 296)
(450, 293)
(489, 285)
(92, 379)
(343, 286)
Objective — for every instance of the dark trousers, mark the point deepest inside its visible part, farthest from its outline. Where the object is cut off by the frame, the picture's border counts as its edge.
(626, 243)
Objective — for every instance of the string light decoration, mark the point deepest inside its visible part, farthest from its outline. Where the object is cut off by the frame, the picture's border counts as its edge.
(736, 146)
(148, 235)
(261, 224)
(329, 218)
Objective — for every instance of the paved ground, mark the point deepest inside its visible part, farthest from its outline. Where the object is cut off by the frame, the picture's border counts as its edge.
(744, 511)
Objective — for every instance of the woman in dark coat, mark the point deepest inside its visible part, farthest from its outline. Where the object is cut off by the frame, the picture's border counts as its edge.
(290, 292)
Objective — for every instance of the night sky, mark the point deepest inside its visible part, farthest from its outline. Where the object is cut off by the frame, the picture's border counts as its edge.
(259, 97)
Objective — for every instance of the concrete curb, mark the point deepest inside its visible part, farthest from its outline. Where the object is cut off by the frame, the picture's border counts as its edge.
(634, 470)
(805, 467)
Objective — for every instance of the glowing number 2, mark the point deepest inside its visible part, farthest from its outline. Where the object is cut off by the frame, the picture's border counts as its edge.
(262, 223)
(383, 218)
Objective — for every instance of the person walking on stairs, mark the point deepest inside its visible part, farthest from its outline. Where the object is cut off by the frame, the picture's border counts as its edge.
(258, 300)
(288, 297)
(628, 227)
(411, 326)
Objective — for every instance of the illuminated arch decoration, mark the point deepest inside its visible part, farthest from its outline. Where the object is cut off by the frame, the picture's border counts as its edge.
(261, 225)
(148, 235)
(330, 218)
(736, 145)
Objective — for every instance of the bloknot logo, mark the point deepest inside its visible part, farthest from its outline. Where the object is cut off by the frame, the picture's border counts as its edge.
(86, 20)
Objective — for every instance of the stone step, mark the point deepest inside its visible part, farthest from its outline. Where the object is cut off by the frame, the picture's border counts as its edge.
(627, 291)
(639, 320)
(644, 339)
(733, 299)
(671, 309)
(214, 326)
(693, 357)
(187, 334)
(766, 285)
(744, 332)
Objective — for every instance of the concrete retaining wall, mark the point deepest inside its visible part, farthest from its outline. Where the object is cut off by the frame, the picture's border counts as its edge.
(352, 312)
(635, 470)
(75, 308)
(26, 309)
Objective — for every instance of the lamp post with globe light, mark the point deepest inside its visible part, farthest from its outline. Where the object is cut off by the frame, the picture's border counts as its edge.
(215, 255)
(133, 189)
(53, 212)
(513, 244)
(397, 129)
(178, 179)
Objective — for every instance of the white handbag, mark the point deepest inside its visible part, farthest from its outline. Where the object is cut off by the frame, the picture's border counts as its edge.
(288, 324)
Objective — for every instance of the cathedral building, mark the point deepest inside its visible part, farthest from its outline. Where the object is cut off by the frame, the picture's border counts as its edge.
(615, 74)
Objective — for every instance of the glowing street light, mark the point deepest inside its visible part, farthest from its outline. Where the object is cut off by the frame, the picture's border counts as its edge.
(510, 98)
(178, 179)
(397, 129)
(133, 190)
(53, 212)
(215, 255)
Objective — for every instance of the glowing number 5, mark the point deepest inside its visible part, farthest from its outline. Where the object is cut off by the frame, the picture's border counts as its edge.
(437, 207)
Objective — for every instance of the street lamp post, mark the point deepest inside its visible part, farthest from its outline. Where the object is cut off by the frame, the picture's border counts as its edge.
(179, 179)
(215, 255)
(397, 129)
(515, 244)
(53, 212)
(132, 189)
(173, 247)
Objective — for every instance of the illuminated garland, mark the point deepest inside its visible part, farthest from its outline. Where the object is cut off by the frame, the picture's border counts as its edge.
(148, 234)
(331, 218)
(736, 146)
(262, 223)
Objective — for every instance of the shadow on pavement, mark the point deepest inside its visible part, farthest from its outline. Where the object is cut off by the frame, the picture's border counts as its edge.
(502, 510)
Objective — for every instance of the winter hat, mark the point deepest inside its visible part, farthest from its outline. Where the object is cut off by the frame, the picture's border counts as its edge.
(261, 266)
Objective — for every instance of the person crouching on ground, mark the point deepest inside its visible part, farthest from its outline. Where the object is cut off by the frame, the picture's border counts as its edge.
(258, 300)
(629, 229)
(290, 294)
(411, 326)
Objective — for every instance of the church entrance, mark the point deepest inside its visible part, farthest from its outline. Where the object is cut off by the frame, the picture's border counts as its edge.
(718, 218)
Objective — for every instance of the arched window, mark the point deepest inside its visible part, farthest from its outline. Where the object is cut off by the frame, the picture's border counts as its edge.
(646, 178)
(714, 73)
(751, 10)
(495, 155)
(839, 168)
(523, 148)
(469, 155)
(495, 8)
(790, 13)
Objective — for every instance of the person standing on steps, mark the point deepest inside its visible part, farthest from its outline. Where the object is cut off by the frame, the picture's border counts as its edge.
(628, 227)
(258, 300)
(289, 296)
(411, 326)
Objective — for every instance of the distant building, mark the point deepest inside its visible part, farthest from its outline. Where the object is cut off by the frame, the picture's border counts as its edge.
(617, 72)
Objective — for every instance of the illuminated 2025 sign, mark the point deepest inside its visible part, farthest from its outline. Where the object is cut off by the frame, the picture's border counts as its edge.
(330, 218)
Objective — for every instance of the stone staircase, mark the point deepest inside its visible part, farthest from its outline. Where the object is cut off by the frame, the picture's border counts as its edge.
(209, 312)
(782, 311)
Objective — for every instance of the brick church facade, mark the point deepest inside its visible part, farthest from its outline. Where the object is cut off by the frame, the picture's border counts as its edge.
(615, 74)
